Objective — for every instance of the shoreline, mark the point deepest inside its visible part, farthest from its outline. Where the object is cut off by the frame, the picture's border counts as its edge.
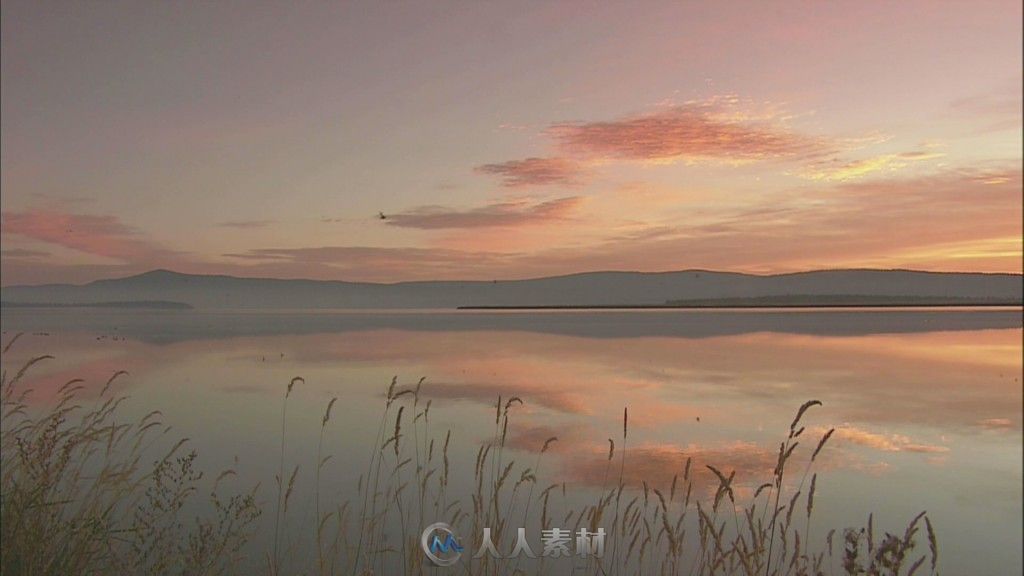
(742, 306)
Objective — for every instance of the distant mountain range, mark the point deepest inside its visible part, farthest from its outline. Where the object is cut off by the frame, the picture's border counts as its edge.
(696, 287)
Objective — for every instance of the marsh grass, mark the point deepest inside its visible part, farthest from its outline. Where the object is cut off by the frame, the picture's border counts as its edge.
(79, 497)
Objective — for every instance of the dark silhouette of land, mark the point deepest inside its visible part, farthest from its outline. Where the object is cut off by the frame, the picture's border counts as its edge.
(791, 301)
(692, 288)
(135, 304)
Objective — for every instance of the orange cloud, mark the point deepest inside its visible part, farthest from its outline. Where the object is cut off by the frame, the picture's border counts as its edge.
(693, 130)
(957, 220)
(535, 172)
(502, 214)
(952, 221)
(368, 263)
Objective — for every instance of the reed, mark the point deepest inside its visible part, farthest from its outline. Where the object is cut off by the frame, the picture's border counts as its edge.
(78, 498)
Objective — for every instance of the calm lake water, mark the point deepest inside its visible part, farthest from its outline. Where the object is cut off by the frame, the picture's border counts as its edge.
(926, 403)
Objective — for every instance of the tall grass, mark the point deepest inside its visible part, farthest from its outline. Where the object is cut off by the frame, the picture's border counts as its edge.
(78, 497)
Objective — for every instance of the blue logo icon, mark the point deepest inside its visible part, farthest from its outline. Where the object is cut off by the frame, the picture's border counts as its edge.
(441, 545)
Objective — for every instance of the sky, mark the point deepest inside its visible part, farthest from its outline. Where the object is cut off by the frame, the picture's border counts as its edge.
(508, 140)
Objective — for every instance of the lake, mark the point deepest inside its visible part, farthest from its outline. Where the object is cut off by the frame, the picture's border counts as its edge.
(926, 404)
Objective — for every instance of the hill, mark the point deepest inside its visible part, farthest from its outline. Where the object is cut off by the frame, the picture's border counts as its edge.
(587, 289)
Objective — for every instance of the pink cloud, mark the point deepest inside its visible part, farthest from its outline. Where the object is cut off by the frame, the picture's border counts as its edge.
(996, 423)
(568, 401)
(98, 235)
(686, 131)
(535, 172)
(533, 438)
(957, 220)
(656, 464)
(882, 442)
(502, 214)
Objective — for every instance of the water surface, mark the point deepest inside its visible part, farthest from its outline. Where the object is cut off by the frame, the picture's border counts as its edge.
(926, 403)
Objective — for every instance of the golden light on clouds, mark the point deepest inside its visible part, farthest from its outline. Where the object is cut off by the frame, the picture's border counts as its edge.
(839, 171)
(988, 254)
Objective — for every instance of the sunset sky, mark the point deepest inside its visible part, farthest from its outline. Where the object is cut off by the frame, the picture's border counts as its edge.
(508, 139)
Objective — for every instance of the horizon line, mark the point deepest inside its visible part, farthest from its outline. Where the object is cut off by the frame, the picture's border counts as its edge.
(528, 279)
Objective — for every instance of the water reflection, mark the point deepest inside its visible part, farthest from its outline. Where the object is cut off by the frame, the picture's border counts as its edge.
(926, 404)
